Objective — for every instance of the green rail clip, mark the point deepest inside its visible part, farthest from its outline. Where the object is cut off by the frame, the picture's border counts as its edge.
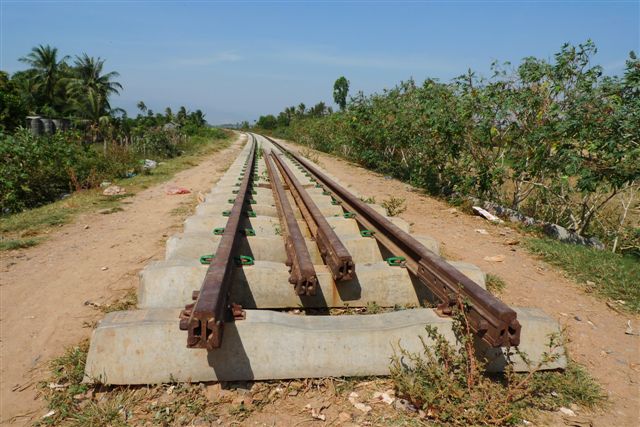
(243, 260)
(326, 193)
(251, 214)
(218, 231)
(318, 186)
(396, 261)
(334, 202)
(231, 200)
(349, 215)
(237, 184)
(252, 202)
(235, 191)
(226, 213)
(206, 259)
(367, 233)
(249, 232)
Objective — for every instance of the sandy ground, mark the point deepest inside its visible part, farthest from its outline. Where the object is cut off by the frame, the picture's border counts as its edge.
(596, 332)
(43, 289)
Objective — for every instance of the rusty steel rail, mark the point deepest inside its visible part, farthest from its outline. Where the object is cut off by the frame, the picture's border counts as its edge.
(489, 318)
(333, 252)
(204, 319)
(302, 274)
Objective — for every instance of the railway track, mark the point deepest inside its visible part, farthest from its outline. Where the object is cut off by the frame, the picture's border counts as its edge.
(490, 319)
(278, 236)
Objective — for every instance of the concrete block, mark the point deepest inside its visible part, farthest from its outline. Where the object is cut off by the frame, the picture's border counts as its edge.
(147, 347)
(472, 271)
(167, 284)
(400, 223)
(191, 246)
(343, 226)
(363, 250)
(429, 242)
(204, 224)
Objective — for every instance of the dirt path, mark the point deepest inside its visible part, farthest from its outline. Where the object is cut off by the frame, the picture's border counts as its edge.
(97, 258)
(597, 333)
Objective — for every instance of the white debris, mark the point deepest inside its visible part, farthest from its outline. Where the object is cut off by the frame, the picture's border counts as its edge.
(487, 215)
(353, 398)
(50, 413)
(114, 190)
(567, 411)
(386, 397)
(495, 258)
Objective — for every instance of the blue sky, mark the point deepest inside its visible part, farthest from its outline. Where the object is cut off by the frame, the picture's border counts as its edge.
(237, 60)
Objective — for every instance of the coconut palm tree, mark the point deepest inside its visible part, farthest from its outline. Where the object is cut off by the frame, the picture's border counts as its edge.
(142, 106)
(87, 75)
(48, 74)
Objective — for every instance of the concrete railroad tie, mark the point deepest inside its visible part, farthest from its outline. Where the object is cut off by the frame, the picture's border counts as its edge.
(145, 346)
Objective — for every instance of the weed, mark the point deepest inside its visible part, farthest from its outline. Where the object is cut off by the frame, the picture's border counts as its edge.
(127, 302)
(448, 382)
(310, 154)
(373, 308)
(67, 372)
(370, 200)
(615, 276)
(495, 283)
(12, 244)
(111, 210)
(394, 205)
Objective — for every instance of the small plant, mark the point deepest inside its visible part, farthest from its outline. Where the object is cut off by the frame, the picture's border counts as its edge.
(495, 283)
(448, 382)
(127, 302)
(394, 205)
(373, 308)
(369, 200)
(310, 154)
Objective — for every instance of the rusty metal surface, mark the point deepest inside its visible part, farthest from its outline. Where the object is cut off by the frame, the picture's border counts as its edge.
(302, 273)
(333, 252)
(204, 319)
(491, 319)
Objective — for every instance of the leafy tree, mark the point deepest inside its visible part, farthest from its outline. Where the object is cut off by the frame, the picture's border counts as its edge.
(267, 122)
(90, 90)
(13, 107)
(48, 75)
(341, 91)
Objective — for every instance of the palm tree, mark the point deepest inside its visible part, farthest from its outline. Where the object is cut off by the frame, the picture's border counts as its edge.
(169, 114)
(48, 73)
(87, 75)
(90, 89)
(142, 106)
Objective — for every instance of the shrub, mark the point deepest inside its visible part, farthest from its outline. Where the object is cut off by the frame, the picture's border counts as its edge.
(36, 170)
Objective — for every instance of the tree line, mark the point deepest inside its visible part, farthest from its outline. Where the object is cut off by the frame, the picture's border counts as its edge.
(557, 140)
(39, 169)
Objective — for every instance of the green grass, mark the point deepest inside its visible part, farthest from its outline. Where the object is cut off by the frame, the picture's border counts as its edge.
(615, 276)
(11, 244)
(495, 284)
(18, 230)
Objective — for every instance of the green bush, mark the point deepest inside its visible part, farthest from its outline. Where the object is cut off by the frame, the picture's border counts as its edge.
(35, 170)
(556, 140)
